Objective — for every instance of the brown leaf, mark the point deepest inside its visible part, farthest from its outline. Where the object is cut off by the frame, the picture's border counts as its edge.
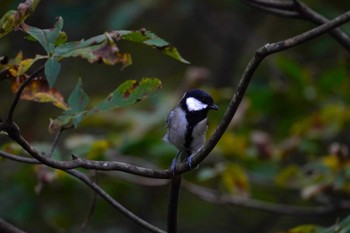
(109, 54)
(38, 90)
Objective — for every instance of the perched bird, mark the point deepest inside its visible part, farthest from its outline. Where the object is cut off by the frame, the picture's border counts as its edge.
(187, 124)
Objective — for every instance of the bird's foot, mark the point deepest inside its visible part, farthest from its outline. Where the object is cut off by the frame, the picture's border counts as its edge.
(190, 162)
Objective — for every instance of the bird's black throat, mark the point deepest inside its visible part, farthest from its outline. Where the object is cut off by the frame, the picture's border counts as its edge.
(193, 118)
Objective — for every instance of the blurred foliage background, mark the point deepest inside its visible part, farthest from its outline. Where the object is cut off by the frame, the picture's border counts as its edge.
(288, 143)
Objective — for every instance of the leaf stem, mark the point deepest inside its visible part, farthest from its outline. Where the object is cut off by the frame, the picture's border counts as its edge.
(20, 91)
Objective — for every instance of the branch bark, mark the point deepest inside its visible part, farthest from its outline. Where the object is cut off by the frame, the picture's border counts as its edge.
(20, 91)
(95, 187)
(298, 9)
(6, 227)
(249, 71)
(219, 198)
(173, 203)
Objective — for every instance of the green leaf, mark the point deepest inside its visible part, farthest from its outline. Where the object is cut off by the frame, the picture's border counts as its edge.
(128, 93)
(98, 48)
(14, 18)
(46, 37)
(8, 22)
(52, 69)
(307, 229)
(151, 39)
(78, 100)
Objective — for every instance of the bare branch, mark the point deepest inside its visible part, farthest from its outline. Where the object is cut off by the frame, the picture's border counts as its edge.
(94, 187)
(6, 227)
(173, 203)
(219, 198)
(275, 8)
(54, 143)
(253, 64)
(20, 91)
(13, 130)
(113, 202)
(90, 164)
(297, 9)
(92, 208)
(319, 19)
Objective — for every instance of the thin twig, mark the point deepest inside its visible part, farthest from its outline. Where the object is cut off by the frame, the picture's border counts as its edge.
(82, 177)
(54, 143)
(285, 5)
(92, 208)
(113, 202)
(174, 193)
(276, 11)
(20, 91)
(318, 19)
(6, 227)
(298, 9)
(219, 198)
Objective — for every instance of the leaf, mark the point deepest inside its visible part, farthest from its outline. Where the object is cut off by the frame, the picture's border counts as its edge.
(151, 39)
(78, 100)
(14, 18)
(8, 22)
(307, 229)
(52, 69)
(100, 48)
(46, 37)
(128, 93)
(25, 64)
(38, 90)
(235, 180)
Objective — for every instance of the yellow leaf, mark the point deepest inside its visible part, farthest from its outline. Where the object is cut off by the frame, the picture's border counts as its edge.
(233, 145)
(98, 149)
(235, 180)
(331, 162)
(38, 90)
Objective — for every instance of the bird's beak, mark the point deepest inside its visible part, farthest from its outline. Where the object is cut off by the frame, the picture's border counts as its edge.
(214, 107)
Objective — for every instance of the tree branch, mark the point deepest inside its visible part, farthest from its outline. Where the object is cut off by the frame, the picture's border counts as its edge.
(92, 208)
(253, 64)
(89, 164)
(20, 91)
(173, 203)
(297, 9)
(6, 227)
(97, 189)
(219, 198)
(113, 202)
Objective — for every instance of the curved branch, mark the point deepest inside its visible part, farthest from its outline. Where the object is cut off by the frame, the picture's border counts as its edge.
(103, 194)
(253, 64)
(89, 164)
(8, 228)
(297, 9)
(218, 198)
(20, 91)
(113, 202)
(319, 19)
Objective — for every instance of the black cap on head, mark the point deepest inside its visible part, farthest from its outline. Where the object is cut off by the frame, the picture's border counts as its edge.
(202, 96)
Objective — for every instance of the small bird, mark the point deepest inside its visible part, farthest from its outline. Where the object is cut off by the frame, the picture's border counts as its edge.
(187, 124)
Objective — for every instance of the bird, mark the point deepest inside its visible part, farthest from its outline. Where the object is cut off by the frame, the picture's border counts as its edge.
(187, 125)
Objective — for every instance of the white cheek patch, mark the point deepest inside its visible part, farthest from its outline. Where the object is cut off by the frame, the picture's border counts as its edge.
(194, 104)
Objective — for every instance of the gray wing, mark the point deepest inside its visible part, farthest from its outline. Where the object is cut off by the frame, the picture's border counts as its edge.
(169, 118)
